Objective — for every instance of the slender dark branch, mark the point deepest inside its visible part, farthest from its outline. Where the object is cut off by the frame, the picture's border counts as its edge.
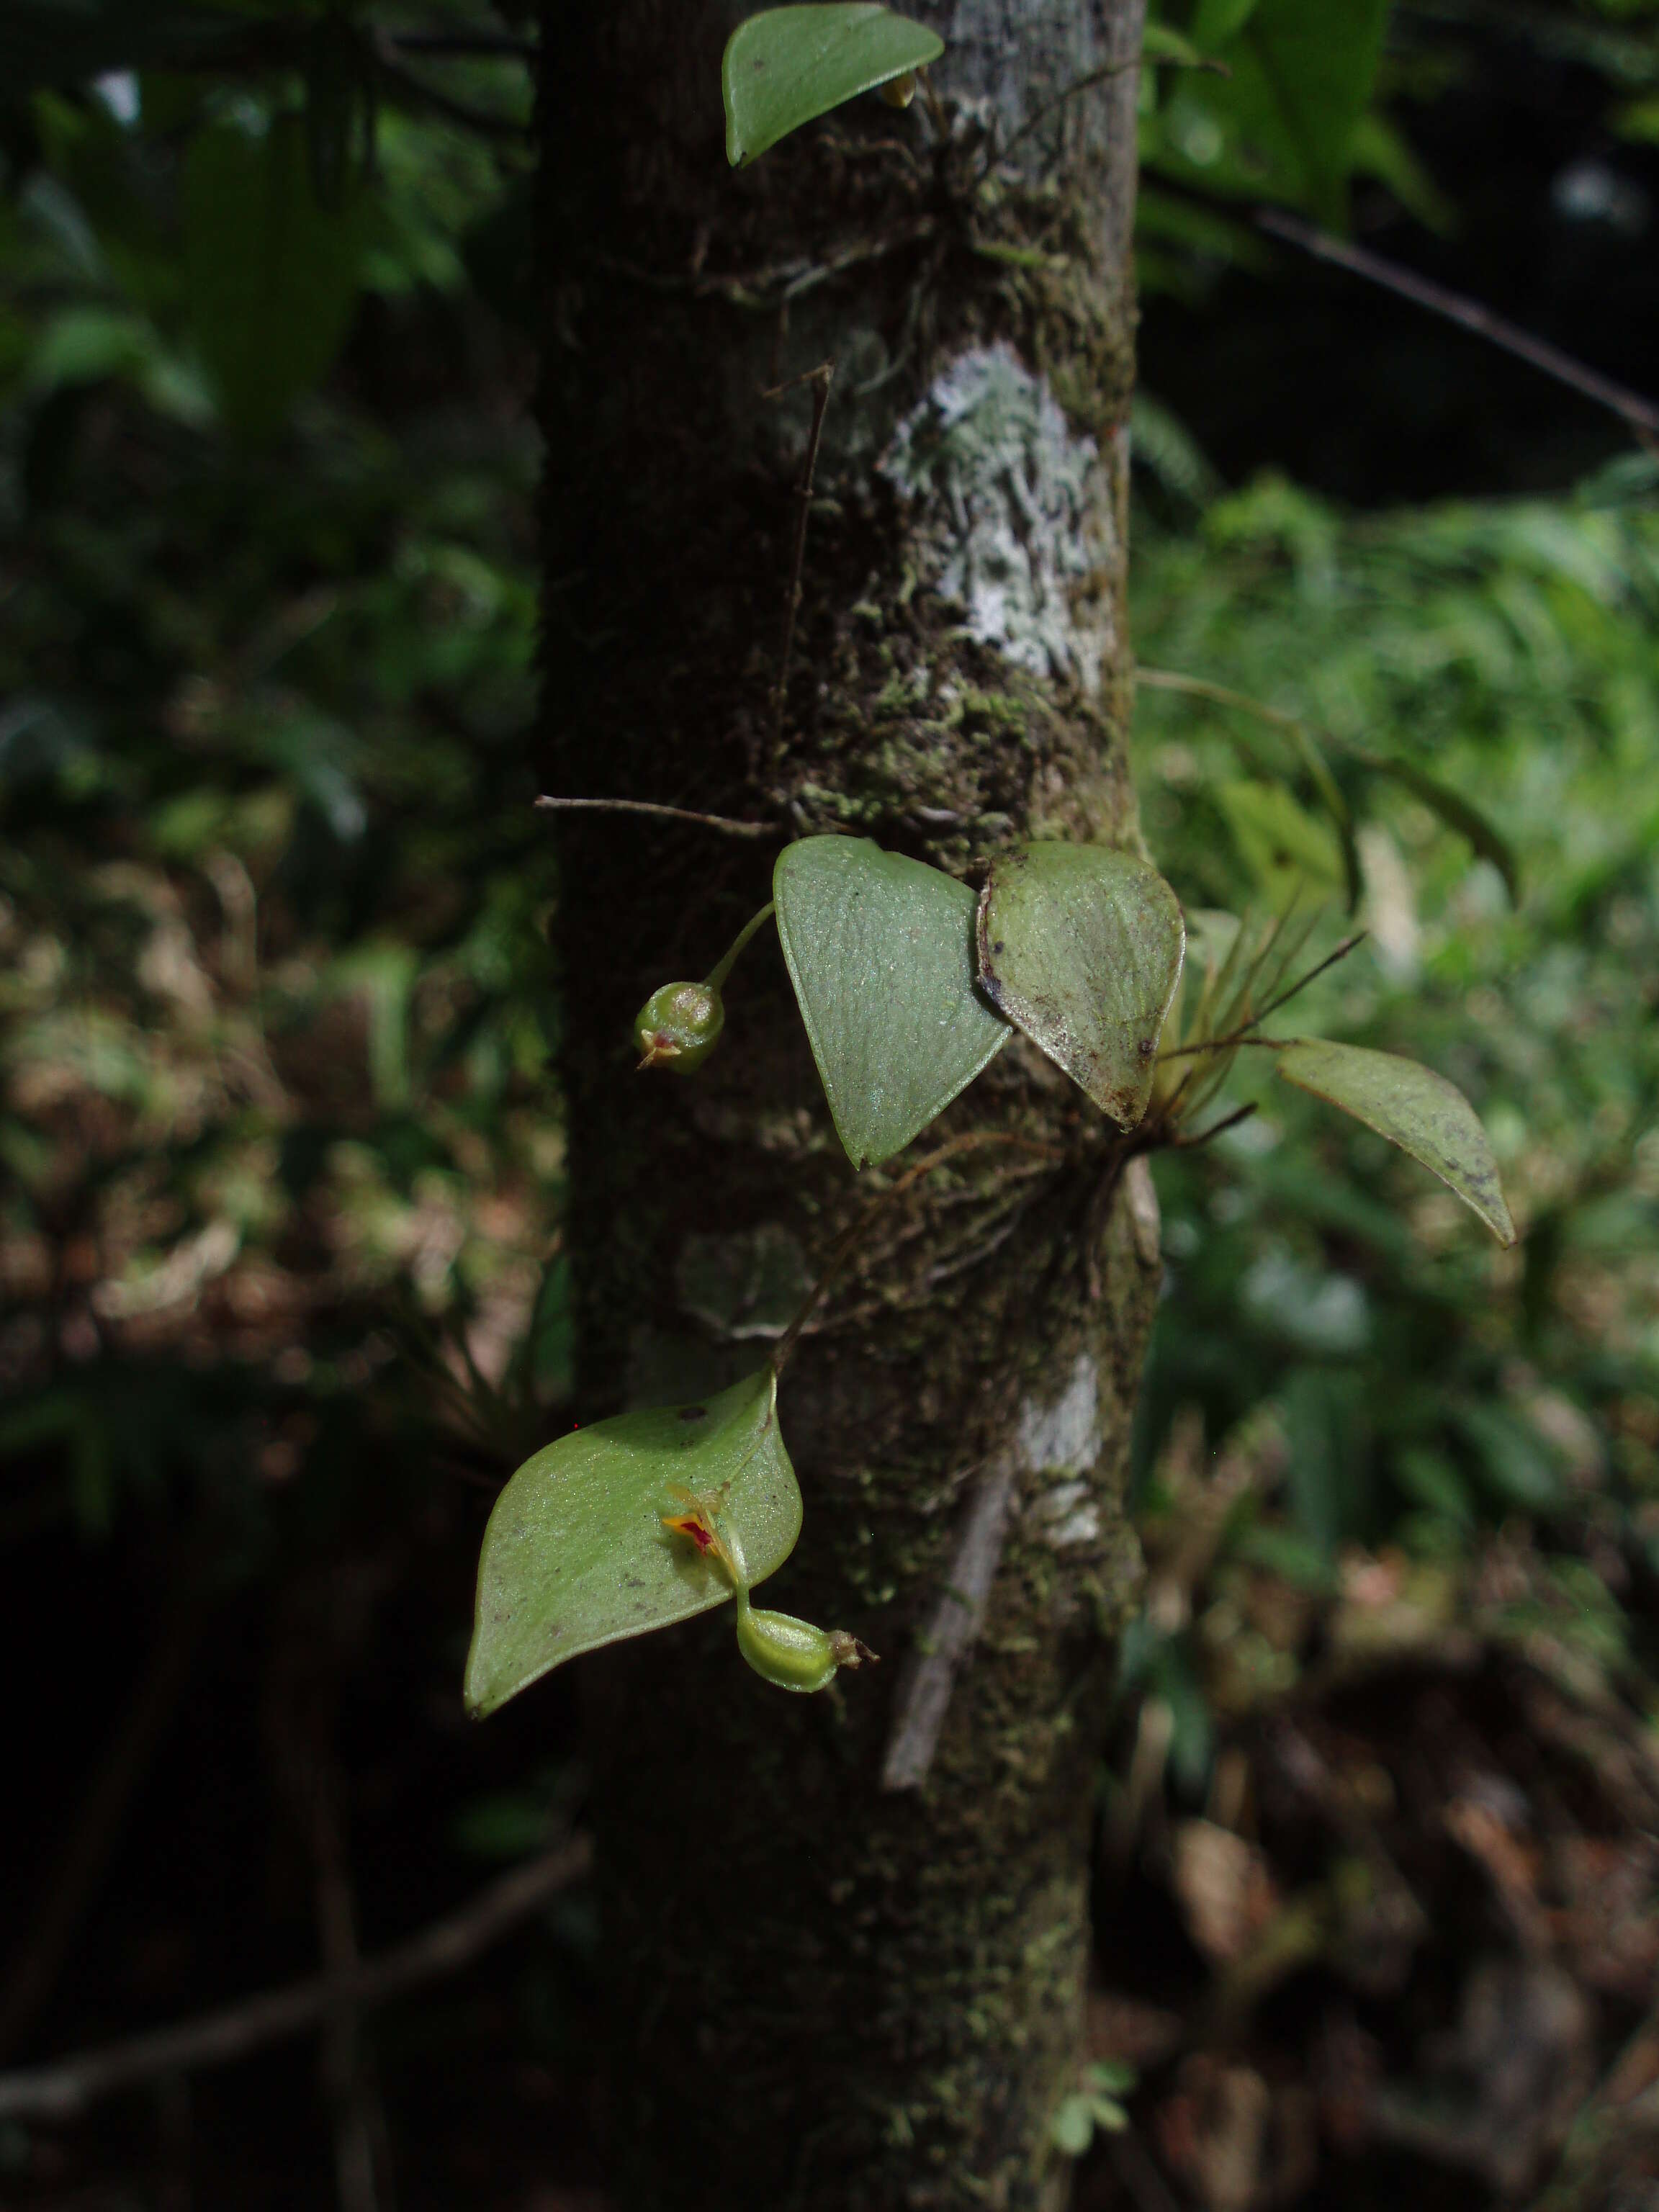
(1222, 1043)
(1640, 416)
(1245, 1034)
(1318, 969)
(85, 1853)
(346, 2083)
(59, 2091)
(1203, 1136)
(1307, 743)
(824, 374)
(726, 824)
(723, 967)
(1219, 695)
(820, 378)
(1087, 83)
(1454, 810)
(1040, 116)
(874, 249)
(761, 290)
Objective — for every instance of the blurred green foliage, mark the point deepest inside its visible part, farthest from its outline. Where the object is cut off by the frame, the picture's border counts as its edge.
(1396, 1382)
(281, 1171)
(275, 1003)
(275, 1007)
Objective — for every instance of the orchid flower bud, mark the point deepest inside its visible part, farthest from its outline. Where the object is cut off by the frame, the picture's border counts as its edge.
(679, 1026)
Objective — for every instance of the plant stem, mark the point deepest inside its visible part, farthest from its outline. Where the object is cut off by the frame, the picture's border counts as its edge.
(1448, 802)
(1141, 60)
(57, 2092)
(1302, 736)
(1242, 1036)
(726, 824)
(1639, 415)
(1219, 695)
(717, 975)
(1203, 1136)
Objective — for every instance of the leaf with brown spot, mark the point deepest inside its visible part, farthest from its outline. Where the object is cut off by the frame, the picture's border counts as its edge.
(786, 65)
(576, 1553)
(1081, 948)
(1411, 1107)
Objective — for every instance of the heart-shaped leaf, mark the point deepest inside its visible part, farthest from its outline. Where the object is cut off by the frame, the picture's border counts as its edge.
(787, 64)
(881, 953)
(1081, 948)
(1412, 1108)
(575, 1554)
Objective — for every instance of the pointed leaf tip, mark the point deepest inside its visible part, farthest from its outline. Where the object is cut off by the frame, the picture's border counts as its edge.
(575, 1554)
(1081, 947)
(880, 950)
(786, 65)
(1411, 1107)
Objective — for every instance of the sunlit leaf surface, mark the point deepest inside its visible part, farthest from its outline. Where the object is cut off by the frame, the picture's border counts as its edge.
(575, 1554)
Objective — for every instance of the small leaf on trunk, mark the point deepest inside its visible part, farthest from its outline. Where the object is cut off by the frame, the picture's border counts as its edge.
(1412, 1108)
(576, 1555)
(787, 64)
(880, 951)
(1081, 948)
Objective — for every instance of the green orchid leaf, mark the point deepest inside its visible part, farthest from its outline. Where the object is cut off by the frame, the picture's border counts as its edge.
(787, 64)
(1412, 1108)
(880, 951)
(576, 1555)
(1081, 948)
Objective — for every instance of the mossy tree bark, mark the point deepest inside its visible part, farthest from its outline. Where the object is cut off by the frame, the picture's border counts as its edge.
(846, 1934)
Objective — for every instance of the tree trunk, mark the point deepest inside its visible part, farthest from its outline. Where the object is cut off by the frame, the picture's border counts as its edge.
(846, 1934)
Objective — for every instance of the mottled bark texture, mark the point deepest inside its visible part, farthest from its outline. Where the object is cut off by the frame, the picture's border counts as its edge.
(830, 1994)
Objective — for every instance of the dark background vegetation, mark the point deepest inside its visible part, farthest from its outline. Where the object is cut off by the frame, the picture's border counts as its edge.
(281, 1297)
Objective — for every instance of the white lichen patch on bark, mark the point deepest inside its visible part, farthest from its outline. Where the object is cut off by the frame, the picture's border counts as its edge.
(1012, 514)
(1064, 1438)
(1067, 1515)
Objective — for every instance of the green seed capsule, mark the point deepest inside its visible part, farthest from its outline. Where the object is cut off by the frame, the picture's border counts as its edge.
(792, 1652)
(678, 1025)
